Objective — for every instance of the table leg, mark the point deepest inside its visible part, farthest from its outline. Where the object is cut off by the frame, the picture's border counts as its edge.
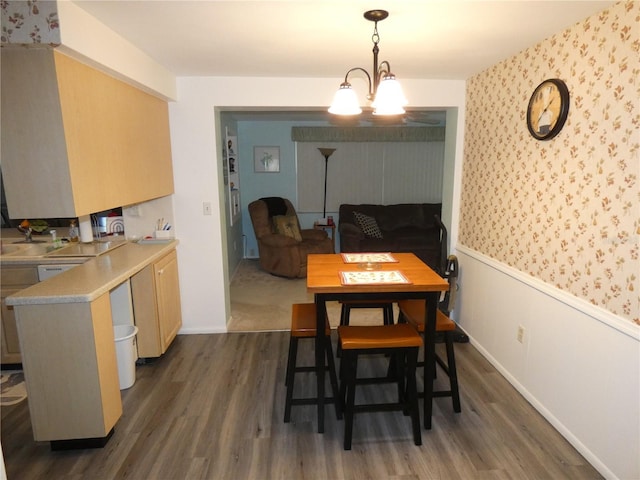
(431, 307)
(321, 314)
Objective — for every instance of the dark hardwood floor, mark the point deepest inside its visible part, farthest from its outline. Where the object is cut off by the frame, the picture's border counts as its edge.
(213, 408)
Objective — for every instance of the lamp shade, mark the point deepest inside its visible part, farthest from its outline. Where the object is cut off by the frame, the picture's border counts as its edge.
(326, 152)
(390, 99)
(345, 101)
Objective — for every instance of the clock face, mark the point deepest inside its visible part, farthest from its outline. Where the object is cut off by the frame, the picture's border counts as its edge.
(548, 109)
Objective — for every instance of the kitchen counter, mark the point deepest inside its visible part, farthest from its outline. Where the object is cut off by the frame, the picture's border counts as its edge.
(89, 281)
(33, 260)
(67, 342)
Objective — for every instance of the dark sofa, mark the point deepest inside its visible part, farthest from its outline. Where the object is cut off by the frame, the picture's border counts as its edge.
(407, 227)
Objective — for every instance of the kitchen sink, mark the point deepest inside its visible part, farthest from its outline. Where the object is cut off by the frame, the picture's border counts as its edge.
(16, 250)
(7, 249)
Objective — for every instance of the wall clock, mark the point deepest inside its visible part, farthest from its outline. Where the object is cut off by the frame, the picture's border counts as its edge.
(548, 109)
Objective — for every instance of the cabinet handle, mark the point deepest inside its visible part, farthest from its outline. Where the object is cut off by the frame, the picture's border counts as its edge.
(161, 271)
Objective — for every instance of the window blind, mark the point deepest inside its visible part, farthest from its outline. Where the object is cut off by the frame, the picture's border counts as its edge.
(369, 172)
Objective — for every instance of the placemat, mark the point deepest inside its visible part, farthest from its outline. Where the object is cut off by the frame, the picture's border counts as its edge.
(379, 277)
(369, 257)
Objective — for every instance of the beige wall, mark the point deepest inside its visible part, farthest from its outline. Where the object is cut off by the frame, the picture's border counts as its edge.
(548, 235)
(565, 211)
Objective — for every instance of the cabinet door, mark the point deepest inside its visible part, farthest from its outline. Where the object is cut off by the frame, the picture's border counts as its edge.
(168, 298)
(10, 341)
(72, 372)
(89, 141)
(13, 278)
(145, 311)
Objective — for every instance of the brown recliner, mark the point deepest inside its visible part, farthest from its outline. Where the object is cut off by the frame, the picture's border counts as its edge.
(281, 254)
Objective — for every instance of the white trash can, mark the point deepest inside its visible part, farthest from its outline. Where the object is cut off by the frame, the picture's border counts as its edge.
(126, 354)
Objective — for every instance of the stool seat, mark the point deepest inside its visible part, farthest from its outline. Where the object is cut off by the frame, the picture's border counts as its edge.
(378, 336)
(303, 321)
(413, 311)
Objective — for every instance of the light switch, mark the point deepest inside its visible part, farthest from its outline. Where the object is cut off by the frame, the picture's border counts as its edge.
(206, 208)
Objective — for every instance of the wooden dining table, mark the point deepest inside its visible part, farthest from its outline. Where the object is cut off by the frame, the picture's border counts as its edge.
(336, 277)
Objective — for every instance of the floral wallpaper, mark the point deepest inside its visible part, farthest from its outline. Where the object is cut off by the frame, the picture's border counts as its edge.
(30, 22)
(566, 210)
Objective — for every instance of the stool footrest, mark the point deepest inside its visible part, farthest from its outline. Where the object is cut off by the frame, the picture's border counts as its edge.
(442, 393)
(440, 361)
(379, 407)
(311, 401)
(438, 393)
(376, 380)
(307, 369)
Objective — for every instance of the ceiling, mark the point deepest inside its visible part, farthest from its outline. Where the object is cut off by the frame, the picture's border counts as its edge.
(435, 39)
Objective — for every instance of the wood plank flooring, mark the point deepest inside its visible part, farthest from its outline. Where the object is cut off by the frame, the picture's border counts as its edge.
(213, 406)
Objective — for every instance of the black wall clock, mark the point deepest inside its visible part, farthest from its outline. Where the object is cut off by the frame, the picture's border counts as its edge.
(548, 109)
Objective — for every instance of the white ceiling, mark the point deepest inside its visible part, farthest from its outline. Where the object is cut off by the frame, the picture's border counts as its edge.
(445, 39)
(434, 39)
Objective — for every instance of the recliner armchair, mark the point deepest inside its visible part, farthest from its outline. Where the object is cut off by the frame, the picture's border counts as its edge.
(282, 245)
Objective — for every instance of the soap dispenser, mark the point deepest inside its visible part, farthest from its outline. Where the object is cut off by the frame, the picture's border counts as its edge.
(73, 231)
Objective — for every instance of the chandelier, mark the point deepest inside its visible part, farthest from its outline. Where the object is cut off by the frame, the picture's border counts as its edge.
(385, 93)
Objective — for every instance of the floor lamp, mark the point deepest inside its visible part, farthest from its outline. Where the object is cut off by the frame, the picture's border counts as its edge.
(326, 153)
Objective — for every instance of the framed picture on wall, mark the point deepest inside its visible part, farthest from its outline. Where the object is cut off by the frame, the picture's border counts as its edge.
(266, 159)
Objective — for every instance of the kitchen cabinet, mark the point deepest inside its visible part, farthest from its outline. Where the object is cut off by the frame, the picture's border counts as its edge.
(71, 371)
(65, 326)
(155, 291)
(79, 141)
(13, 279)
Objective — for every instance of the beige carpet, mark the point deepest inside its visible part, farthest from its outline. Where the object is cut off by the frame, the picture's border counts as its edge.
(262, 302)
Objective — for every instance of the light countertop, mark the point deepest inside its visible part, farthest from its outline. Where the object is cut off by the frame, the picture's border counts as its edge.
(93, 278)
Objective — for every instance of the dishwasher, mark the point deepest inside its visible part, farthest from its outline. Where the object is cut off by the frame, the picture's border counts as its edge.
(48, 271)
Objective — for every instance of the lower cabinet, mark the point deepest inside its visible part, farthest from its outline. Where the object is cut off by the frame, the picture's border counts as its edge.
(68, 348)
(14, 279)
(155, 291)
(71, 369)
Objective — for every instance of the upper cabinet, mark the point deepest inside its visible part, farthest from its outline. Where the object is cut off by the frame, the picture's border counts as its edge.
(77, 141)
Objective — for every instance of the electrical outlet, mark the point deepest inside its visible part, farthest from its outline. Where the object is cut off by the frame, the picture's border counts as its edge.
(206, 208)
(520, 335)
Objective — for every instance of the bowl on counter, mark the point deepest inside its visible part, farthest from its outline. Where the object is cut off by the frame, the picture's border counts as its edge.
(38, 227)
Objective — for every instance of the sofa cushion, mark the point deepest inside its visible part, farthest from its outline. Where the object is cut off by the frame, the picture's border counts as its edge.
(392, 217)
(287, 225)
(413, 236)
(368, 225)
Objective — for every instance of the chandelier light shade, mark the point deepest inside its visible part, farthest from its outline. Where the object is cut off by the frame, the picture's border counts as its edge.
(345, 101)
(385, 91)
(390, 99)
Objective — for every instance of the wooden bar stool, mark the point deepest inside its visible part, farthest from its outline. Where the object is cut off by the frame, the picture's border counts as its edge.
(303, 325)
(412, 311)
(345, 311)
(402, 342)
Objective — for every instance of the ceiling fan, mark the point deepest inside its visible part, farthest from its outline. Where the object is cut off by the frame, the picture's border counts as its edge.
(431, 118)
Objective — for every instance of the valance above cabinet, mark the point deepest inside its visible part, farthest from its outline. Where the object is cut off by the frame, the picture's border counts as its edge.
(77, 141)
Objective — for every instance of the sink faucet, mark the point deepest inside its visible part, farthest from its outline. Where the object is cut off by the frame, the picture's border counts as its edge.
(27, 233)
